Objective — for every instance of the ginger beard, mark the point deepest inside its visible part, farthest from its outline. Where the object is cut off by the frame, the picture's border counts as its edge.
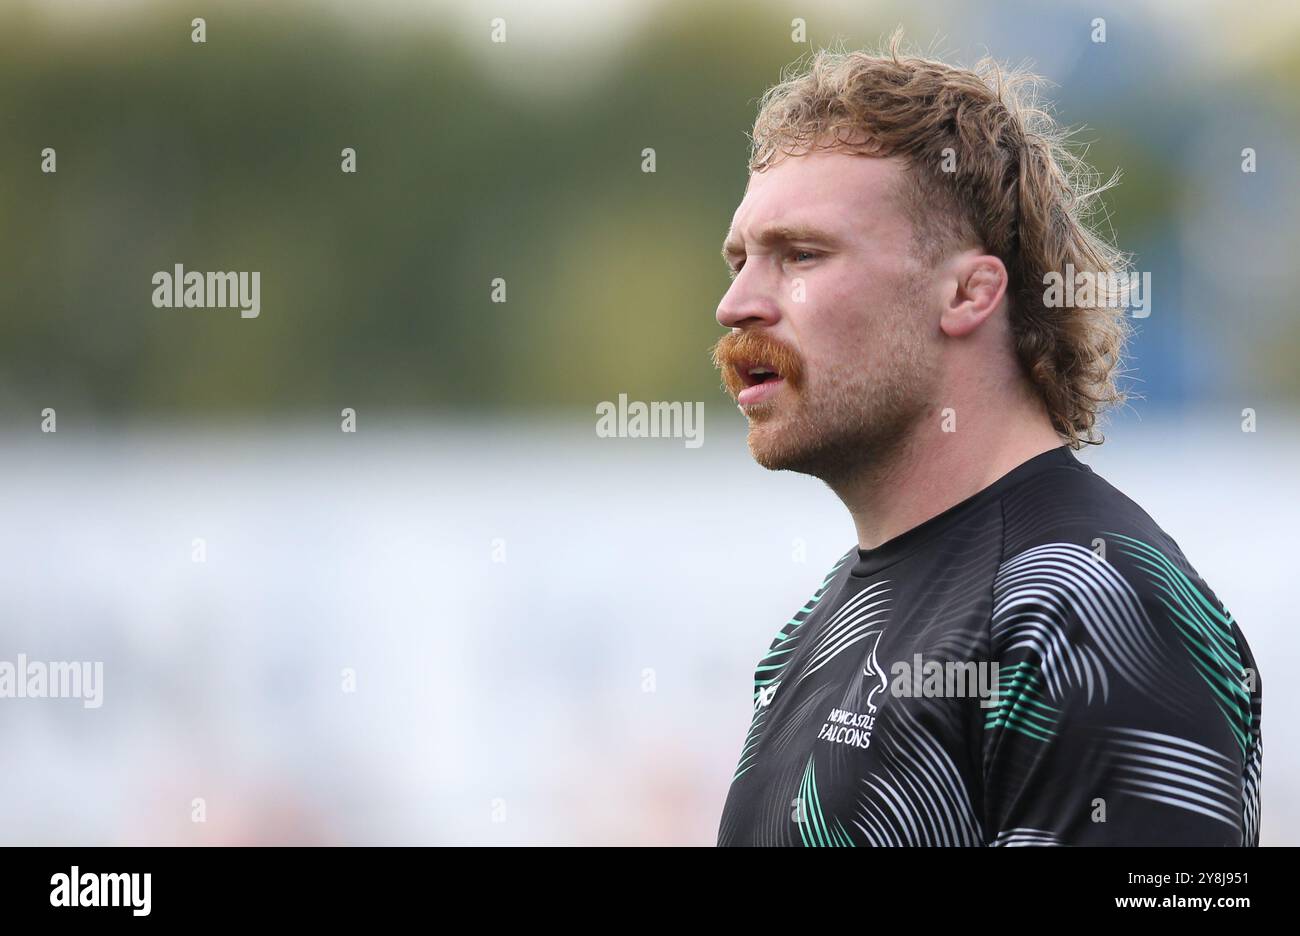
(833, 420)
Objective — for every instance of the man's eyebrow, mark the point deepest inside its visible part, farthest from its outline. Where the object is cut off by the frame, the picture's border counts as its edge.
(778, 234)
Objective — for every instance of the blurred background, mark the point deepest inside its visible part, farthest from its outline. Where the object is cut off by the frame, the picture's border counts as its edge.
(551, 635)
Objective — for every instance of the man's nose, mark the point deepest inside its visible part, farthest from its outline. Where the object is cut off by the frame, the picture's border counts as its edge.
(747, 304)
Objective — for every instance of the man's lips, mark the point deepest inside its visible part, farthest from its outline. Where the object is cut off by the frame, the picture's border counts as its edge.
(755, 367)
(757, 393)
(759, 381)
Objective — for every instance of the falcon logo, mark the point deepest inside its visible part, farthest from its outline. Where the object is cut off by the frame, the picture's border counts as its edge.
(847, 726)
(872, 673)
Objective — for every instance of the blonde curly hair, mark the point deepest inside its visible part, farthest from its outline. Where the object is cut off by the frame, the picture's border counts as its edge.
(986, 163)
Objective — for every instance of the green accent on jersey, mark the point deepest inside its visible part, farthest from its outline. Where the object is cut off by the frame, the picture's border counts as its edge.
(787, 633)
(1206, 633)
(789, 629)
(1020, 705)
(812, 824)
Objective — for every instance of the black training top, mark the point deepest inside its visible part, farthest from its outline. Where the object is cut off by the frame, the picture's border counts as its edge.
(1037, 665)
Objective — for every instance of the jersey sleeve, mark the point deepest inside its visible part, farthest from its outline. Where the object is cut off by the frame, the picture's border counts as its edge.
(1128, 704)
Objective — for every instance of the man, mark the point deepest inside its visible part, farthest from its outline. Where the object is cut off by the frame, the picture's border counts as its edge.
(1014, 653)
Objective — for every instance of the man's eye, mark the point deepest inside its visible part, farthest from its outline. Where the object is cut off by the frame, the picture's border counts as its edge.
(734, 270)
(796, 254)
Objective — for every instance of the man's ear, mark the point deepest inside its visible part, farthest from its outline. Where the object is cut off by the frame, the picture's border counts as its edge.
(979, 282)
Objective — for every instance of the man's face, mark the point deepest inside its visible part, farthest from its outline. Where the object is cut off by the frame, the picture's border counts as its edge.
(832, 303)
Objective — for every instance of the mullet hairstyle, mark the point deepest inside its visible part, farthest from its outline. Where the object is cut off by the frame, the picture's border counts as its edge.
(986, 164)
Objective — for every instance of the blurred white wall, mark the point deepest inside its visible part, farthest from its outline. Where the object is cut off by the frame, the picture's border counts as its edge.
(496, 702)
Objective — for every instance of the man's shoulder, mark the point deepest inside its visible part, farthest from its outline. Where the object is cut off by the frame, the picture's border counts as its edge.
(1087, 556)
(1071, 508)
(1088, 575)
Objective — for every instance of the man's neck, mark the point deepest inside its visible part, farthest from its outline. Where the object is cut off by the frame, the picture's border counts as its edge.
(932, 470)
